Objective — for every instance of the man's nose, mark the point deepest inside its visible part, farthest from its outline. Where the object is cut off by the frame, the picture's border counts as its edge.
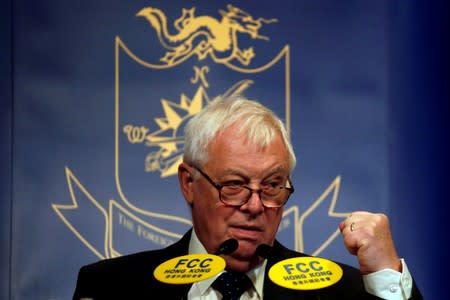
(254, 204)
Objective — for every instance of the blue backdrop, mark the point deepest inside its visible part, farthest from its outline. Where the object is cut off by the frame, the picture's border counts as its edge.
(95, 95)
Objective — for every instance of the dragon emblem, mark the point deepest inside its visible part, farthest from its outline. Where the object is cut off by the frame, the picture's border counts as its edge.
(205, 35)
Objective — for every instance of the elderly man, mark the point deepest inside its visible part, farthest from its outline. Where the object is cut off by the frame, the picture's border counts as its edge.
(235, 177)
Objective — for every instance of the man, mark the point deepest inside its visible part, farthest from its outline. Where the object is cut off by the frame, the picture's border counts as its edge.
(235, 177)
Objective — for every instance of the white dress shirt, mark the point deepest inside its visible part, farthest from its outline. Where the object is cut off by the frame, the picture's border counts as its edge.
(386, 283)
(202, 290)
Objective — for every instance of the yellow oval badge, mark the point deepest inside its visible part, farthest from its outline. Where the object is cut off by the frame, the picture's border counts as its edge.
(189, 268)
(305, 273)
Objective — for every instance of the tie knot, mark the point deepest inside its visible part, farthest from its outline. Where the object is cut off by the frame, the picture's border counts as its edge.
(232, 285)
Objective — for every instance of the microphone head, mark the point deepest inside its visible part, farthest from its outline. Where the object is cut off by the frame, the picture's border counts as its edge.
(227, 247)
(263, 250)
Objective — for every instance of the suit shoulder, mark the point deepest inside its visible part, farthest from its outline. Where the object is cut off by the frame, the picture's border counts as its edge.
(144, 259)
(122, 262)
(127, 277)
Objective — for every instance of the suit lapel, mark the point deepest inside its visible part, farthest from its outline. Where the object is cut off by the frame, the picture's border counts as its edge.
(173, 291)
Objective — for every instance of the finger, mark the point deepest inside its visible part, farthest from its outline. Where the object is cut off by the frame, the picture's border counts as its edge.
(356, 220)
(349, 223)
(347, 227)
(350, 240)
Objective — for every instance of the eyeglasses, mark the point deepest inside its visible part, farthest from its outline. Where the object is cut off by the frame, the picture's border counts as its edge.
(272, 196)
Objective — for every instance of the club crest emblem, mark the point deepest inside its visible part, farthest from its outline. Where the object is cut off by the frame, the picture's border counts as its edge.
(162, 80)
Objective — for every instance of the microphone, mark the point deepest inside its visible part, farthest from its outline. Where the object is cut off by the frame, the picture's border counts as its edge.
(227, 247)
(263, 250)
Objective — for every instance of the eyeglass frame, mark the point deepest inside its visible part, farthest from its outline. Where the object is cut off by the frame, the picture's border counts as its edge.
(219, 187)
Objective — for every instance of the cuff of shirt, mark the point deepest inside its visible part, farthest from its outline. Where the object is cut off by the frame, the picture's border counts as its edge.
(389, 284)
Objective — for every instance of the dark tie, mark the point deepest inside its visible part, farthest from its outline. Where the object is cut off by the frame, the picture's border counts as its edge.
(232, 285)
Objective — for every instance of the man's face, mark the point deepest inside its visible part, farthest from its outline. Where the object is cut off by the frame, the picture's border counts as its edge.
(232, 159)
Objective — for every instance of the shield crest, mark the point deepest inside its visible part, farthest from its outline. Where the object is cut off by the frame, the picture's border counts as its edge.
(173, 84)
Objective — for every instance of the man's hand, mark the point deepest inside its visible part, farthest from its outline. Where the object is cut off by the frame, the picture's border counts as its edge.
(368, 236)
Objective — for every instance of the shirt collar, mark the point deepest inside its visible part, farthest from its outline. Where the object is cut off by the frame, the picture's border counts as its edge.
(256, 275)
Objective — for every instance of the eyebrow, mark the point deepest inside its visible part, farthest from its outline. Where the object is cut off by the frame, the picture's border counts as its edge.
(240, 172)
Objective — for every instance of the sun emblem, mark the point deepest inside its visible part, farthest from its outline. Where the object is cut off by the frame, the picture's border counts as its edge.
(166, 143)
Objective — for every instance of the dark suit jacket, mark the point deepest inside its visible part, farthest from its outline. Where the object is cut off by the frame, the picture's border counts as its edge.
(131, 277)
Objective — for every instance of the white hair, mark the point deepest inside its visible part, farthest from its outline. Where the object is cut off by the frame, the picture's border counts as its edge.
(258, 123)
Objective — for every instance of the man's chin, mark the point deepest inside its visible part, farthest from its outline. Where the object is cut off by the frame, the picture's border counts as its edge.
(242, 262)
(246, 249)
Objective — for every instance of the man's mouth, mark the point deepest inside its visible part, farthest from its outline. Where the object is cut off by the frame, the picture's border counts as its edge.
(247, 232)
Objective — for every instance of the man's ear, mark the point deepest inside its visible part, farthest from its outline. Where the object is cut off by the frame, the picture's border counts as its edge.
(186, 179)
